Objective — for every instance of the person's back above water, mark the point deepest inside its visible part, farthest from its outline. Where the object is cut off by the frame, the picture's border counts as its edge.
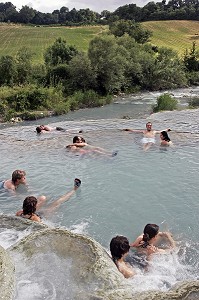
(119, 247)
(147, 242)
(18, 177)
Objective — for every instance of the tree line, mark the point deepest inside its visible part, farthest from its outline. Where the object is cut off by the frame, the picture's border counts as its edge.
(119, 61)
(173, 10)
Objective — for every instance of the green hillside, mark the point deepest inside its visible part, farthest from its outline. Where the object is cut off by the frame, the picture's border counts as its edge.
(178, 35)
(13, 37)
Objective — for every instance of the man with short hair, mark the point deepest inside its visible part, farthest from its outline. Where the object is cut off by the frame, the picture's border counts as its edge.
(18, 177)
(149, 135)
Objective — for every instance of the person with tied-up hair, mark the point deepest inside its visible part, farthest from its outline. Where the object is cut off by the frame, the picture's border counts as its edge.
(147, 242)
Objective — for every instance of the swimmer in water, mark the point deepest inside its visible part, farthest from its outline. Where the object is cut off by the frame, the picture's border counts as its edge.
(165, 140)
(147, 242)
(148, 135)
(18, 177)
(119, 247)
(32, 204)
(46, 128)
(79, 143)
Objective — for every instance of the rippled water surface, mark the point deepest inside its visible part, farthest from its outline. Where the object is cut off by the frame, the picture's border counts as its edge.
(121, 194)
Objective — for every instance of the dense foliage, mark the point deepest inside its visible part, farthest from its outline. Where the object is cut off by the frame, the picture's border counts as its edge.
(165, 102)
(173, 10)
(118, 61)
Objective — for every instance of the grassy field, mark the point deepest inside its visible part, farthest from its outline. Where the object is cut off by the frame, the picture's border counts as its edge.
(13, 37)
(178, 35)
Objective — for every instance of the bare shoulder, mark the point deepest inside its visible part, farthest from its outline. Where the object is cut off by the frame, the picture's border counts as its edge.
(137, 242)
(9, 185)
(35, 218)
(18, 213)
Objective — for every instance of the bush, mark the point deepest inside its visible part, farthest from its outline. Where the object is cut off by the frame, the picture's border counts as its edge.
(165, 102)
(194, 102)
(87, 99)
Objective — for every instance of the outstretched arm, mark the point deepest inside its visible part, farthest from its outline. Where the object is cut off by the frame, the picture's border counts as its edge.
(64, 198)
(159, 131)
(167, 235)
(133, 130)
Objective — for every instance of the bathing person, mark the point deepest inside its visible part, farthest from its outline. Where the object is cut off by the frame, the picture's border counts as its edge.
(149, 135)
(79, 142)
(46, 128)
(31, 204)
(18, 177)
(119, 247)
(165, 140)
(147, 243)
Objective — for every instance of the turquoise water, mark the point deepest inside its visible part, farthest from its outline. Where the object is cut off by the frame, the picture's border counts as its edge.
(121, 194)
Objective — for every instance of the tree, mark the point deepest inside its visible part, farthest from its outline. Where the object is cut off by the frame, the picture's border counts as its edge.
(109, 60)
(7, 70)
(23, 64)
(59, 53)
(26, 14)
(191, 59)
(132, 28)
(81, 74)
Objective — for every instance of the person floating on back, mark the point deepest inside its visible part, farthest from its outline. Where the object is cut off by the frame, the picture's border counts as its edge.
(79, 143)
(46, 128)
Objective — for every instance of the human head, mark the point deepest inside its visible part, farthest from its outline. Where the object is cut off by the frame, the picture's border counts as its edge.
(150, 231)
(29, 205)
(38, 129)
(18, 176)
(149, 126)
(119, 245)
(164, 136)
(78, 139)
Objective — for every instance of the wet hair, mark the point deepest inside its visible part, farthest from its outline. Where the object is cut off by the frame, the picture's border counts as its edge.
(119, 245)
(165, 136)
(17, 174)
(150, 231)
(38, 129)
(77, 138)
(29, 205)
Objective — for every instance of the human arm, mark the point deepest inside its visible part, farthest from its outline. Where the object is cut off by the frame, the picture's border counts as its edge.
(168, 237)
(65, 197)
(159, 131)
(138, 242)
(133, 130)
